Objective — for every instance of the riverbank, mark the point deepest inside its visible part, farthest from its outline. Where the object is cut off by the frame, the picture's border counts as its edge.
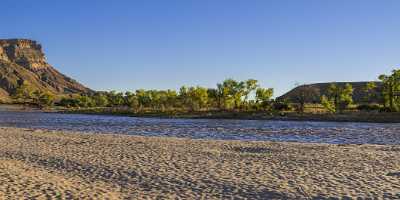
(356, 116)
(52, 164)
(360, 116)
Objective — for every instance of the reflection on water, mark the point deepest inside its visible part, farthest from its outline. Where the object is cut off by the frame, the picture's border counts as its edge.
(321, 132)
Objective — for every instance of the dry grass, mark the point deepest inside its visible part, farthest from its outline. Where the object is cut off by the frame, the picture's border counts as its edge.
(36, 164)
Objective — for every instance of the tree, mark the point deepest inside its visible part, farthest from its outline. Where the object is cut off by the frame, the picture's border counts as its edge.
(250, 86)
(370, 92)
(171, 99)
(116, 99)
(328, 104)
(391, 90)
(199, 95)
(233, 92)
(143, 98)
(304, 94)
(220, 96)
(213, 98)
(69, 102)
(42, 99)
(184, 96)
(46, 99)
(85, 101)
(263, 97)
(100, 99)
(24, 92)
(338, 98)
(194, 98)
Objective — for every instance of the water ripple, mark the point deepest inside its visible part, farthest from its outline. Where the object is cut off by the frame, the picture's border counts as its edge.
(254, 130)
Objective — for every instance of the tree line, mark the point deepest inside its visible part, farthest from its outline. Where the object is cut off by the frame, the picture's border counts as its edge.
(340, 98)
(229, 95)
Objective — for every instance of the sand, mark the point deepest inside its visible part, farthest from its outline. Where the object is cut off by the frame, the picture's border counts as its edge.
(40, 164)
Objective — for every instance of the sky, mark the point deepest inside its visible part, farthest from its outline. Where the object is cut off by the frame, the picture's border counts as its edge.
(157, 44)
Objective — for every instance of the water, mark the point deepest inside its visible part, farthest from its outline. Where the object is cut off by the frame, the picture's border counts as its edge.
(251, 130)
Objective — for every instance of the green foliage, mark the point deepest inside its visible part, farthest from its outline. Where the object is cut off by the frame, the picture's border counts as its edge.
(263, 97)
(115, 98)
(46, 99)
(69, 102)
(197, 98)
(391, 90)
(328, 104)
(100, 99)
(86, 101)
(42, 99)
(281, 106)
(369, 107)
(24, 92)
(305, 93)
(230, 94)
(338, 98)
(370, 92)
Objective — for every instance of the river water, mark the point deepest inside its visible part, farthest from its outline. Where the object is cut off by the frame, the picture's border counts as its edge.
(251, 130)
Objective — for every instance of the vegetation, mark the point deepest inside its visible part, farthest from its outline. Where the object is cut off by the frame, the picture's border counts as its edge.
(338, 98)
(304, 94)
(391, 91)
(229, 96)
(25, 94)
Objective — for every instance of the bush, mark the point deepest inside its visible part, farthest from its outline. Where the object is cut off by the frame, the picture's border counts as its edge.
(282, 106)
(385, 109)
(368, 107)
(69, 102)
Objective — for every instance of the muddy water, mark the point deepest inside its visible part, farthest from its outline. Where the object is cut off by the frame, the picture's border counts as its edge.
(319, 132)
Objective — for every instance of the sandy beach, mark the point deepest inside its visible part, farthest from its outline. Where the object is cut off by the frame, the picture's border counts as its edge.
(40, 164)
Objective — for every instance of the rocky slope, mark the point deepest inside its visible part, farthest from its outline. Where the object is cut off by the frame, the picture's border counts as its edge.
(319, 89)
(23, 60)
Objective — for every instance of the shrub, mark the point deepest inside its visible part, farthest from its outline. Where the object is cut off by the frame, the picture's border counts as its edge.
(282, 106)
(369, 107)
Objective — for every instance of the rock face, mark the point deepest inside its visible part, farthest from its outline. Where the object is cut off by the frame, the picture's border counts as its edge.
(26, 53)
(23, 60)
(322, 89)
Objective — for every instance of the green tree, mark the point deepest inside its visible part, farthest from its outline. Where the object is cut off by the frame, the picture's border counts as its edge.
(24, 92)
(42, 99)
(233, 91)
(370, 92)
(100, 99)
(303, 94)
(184, 97)
(115, 98)
(338, 98)
(328, 104)
(263, 97)
(132, 101)
(69, 102)
(85, 101)
(46, 99)
(250, 86)
(171, 99)
(391, 90)
(199, 97)
(144, 98)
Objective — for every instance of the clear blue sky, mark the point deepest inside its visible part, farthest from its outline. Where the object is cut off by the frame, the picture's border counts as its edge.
(125, 45)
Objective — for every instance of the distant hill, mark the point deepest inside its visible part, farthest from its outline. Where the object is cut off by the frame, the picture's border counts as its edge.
(322, 89)
(22, 60)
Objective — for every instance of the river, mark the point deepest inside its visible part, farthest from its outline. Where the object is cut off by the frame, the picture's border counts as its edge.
(249, 130)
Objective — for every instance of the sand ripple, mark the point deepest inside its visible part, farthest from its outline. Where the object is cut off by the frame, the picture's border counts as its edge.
(38, 164)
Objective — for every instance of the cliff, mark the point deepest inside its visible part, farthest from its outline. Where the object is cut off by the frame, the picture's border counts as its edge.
(23, 60)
